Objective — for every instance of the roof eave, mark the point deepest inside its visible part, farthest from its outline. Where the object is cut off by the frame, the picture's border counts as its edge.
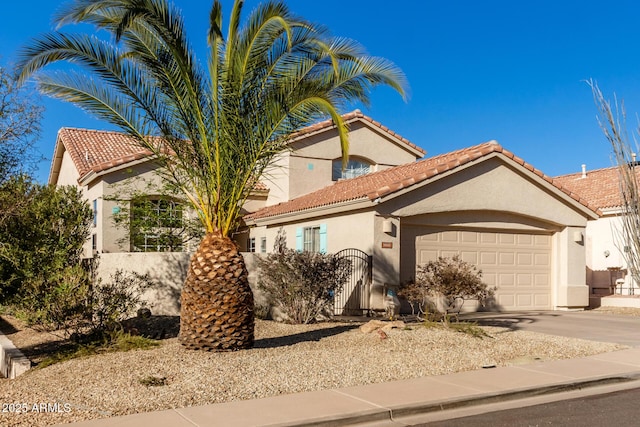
(92, 175)
(56, 161)
(324, 210)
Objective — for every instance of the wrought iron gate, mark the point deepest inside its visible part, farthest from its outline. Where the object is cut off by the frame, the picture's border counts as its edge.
(354, 297)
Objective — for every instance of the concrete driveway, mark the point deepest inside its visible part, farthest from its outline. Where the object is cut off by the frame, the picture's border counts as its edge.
(587, 325)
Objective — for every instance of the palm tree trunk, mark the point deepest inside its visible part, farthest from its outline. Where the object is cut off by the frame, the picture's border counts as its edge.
(217, 302)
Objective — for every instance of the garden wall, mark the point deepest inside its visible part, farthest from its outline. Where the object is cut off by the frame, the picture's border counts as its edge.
(167, 270)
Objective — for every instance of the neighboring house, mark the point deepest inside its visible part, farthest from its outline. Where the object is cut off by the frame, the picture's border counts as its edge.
(390, 211)
(605, 260)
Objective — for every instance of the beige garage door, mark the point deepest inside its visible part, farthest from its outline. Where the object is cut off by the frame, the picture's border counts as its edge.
(518, 264)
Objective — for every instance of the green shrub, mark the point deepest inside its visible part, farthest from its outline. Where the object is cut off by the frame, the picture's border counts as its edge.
(302, 284)
(74, 302)
(60, 301)
(41, 239)
(117, 299)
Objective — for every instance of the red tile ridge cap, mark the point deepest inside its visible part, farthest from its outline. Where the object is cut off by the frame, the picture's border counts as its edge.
(351, 116)
(422, 170)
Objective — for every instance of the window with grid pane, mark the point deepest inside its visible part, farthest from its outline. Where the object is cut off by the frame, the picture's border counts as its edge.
(156, 225)
(355, 167)
(311, 239)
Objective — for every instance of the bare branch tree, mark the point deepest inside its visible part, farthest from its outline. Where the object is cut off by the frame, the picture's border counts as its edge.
(20, 116)
(612, 120)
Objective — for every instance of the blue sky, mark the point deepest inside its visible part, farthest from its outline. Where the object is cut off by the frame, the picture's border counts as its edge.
(505, 70)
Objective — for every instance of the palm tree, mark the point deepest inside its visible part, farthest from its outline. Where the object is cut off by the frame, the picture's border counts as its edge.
(213, 129)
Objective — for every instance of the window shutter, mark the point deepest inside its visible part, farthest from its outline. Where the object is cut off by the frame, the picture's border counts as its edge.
(323, 238)
(299, 240)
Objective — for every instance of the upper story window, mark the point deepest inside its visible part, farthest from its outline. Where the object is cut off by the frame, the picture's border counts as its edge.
(355, 167)
(94, 207)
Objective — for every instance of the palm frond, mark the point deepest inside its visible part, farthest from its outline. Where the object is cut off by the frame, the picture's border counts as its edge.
(224, 124)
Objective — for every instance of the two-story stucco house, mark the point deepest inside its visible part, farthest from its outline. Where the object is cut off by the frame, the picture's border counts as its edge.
(522, 228)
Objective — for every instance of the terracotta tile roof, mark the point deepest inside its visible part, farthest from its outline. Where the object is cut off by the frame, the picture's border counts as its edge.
(600, 187)
(350, 118)
(379, 184)
(97, 151)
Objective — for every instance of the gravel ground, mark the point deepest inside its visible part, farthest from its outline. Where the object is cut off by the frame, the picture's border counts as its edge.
(286, 359)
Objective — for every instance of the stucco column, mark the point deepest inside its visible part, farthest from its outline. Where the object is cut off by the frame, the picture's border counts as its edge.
(386, 259)
(571, 290)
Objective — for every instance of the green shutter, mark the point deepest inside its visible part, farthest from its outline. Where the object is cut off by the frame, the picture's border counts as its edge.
(323, 238)
(299, 240)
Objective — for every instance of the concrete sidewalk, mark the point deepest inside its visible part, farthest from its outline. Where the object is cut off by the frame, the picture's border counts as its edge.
(388, 404)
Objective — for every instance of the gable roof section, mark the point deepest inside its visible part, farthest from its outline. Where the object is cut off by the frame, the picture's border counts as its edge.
(600, 187)
(379, 184)
(352, 117)
(94, 151)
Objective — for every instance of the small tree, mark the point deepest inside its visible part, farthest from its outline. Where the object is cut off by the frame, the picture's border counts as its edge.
(42, 238)
(20, 119)
(302, 284)
(450, 279)
(612, 121)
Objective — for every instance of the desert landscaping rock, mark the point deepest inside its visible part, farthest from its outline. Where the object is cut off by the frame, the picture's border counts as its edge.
(286, 359)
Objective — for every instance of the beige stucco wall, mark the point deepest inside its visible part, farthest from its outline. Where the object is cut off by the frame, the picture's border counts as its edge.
(364, 141)
(604, 251)
(277, 179)
(601, 239)
(352, 230)
(570, 282)
(68, 174)
(489, 186)
(166, 270)
(308, 167)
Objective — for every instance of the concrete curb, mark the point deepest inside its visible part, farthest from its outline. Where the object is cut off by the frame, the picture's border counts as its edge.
(396, 414)
(12, 361)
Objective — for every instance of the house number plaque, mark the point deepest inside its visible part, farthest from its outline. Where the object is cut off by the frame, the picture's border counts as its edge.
(387, 245)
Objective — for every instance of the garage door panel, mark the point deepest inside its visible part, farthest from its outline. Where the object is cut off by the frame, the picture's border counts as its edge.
(507, 239)
(518, 264)
(524, 279)
(541, 280)
(506, 300)
(489, 238)
(469, 237)
(489, 278)
(542, 260)
(525, 239)
(427, 255)
(506, 280)
(524, 300)
(489, 258)
(525, 259)
(542, 300)
(542, 241)
(470, 257)
(449, 236)
(507, 259)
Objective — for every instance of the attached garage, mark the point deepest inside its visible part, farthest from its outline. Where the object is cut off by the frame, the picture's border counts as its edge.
(483, 203)
(519, 264)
